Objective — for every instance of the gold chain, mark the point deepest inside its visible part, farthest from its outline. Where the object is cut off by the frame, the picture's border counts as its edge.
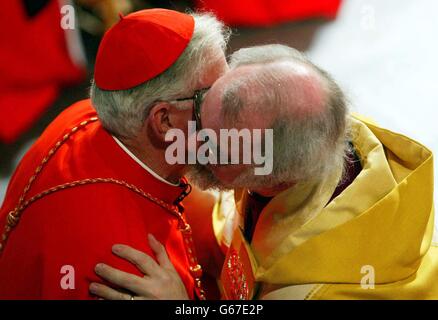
(15, 215)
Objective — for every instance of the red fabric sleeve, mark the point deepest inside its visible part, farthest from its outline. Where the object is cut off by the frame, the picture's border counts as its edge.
(34, 65)
(76, 228)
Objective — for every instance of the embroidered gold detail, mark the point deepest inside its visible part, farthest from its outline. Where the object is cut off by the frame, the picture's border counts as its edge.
(236, 277)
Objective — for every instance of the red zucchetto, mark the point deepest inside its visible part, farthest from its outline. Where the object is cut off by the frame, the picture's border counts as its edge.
(141, 46)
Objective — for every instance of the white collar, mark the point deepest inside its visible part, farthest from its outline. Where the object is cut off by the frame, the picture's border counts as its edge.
(142, 164)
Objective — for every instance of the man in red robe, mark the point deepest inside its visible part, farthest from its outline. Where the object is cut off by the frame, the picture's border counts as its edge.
(98, 175)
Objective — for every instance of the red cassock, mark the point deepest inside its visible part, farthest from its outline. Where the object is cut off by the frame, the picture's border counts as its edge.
(77, 224)
(36, 61)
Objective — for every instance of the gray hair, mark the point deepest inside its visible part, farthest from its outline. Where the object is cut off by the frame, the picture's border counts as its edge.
(122, 112)
(305, 147)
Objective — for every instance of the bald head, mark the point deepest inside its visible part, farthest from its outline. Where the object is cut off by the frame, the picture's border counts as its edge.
(254, 96)
(277, 87)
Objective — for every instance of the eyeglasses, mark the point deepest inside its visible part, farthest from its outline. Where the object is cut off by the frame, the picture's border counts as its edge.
(198, 98)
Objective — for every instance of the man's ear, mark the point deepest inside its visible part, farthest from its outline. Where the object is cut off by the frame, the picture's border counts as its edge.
(159, 121)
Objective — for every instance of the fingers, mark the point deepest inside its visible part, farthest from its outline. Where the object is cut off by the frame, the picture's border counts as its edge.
(142, 261)
(108, 293)
(160, 252)
(120, 278)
